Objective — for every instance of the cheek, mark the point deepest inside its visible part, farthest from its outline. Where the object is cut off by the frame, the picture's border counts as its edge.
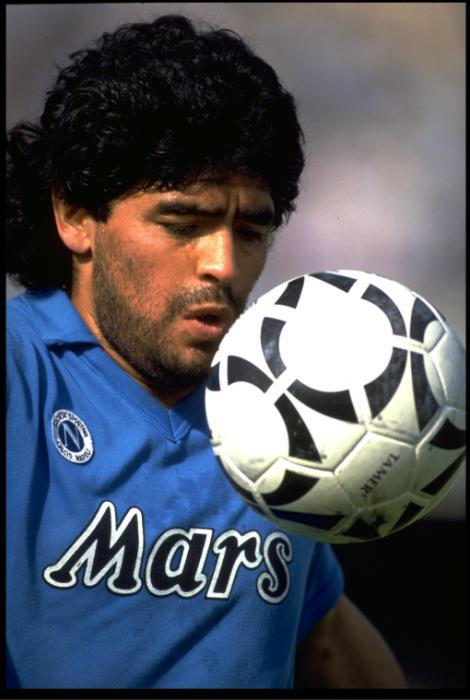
(134, 267)
(136, 275)
(253, 267)
(136, 261)
(134, 270)
(149, 284)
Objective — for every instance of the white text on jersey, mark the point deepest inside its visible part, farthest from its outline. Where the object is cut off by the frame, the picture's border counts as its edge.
(177, 562)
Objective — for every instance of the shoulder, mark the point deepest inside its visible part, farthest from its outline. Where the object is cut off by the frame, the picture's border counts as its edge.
(18, 310)
(25, 349)
(40, 317)
(20, 327)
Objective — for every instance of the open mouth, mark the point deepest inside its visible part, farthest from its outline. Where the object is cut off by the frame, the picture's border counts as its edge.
(209, 319)
(208, 323)
(211, 314)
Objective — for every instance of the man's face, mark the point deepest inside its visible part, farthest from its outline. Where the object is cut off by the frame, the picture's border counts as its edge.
(173, 270)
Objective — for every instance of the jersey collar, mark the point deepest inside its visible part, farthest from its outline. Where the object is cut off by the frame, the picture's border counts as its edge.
(56, 319)
(59, 324)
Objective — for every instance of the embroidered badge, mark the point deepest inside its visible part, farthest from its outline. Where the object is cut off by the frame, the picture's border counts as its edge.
(71, 437)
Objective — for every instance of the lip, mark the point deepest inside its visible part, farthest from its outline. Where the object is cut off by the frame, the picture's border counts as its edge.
(219, 312)
(209, 322)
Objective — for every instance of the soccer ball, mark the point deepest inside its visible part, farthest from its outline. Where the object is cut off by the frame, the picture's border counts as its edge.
(336, 405)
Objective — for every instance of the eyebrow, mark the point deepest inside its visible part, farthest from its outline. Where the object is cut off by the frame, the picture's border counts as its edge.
(264, 216)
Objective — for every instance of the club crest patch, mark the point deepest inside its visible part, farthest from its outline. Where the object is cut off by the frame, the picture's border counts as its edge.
(71, 437)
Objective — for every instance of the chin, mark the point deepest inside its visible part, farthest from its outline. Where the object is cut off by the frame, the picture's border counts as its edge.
(202, 354)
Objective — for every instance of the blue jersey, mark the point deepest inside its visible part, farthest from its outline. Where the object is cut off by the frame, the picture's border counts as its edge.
(132, 562)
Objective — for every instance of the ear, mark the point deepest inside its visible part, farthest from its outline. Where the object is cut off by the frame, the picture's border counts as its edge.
(75, 225)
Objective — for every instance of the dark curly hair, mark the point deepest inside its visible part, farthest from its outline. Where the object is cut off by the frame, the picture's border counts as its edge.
(150, 103)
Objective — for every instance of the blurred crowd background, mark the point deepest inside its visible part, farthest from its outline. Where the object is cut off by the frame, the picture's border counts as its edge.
(381, 97)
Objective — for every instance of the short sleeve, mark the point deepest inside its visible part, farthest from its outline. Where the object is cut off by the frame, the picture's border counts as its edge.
(324, 586)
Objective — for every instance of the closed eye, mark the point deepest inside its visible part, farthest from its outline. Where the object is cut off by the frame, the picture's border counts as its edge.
(187, 229)
(196, 228)
(249, 234)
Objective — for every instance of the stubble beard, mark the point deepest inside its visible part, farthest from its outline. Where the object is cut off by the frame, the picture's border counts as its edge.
(143, 342)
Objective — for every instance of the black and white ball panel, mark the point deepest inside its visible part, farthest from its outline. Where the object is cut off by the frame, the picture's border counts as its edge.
(337, 405)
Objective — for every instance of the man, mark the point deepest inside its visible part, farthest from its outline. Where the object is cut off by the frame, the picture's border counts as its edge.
(141, 209)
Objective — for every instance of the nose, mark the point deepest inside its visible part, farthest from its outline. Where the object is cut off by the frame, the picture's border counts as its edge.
(217, 256)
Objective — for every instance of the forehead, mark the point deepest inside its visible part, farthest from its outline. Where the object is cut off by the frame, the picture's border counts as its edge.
(240, 190)
(212, 184)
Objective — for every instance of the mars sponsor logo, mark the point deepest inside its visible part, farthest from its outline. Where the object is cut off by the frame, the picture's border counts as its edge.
(379, 474)
(177, 563)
